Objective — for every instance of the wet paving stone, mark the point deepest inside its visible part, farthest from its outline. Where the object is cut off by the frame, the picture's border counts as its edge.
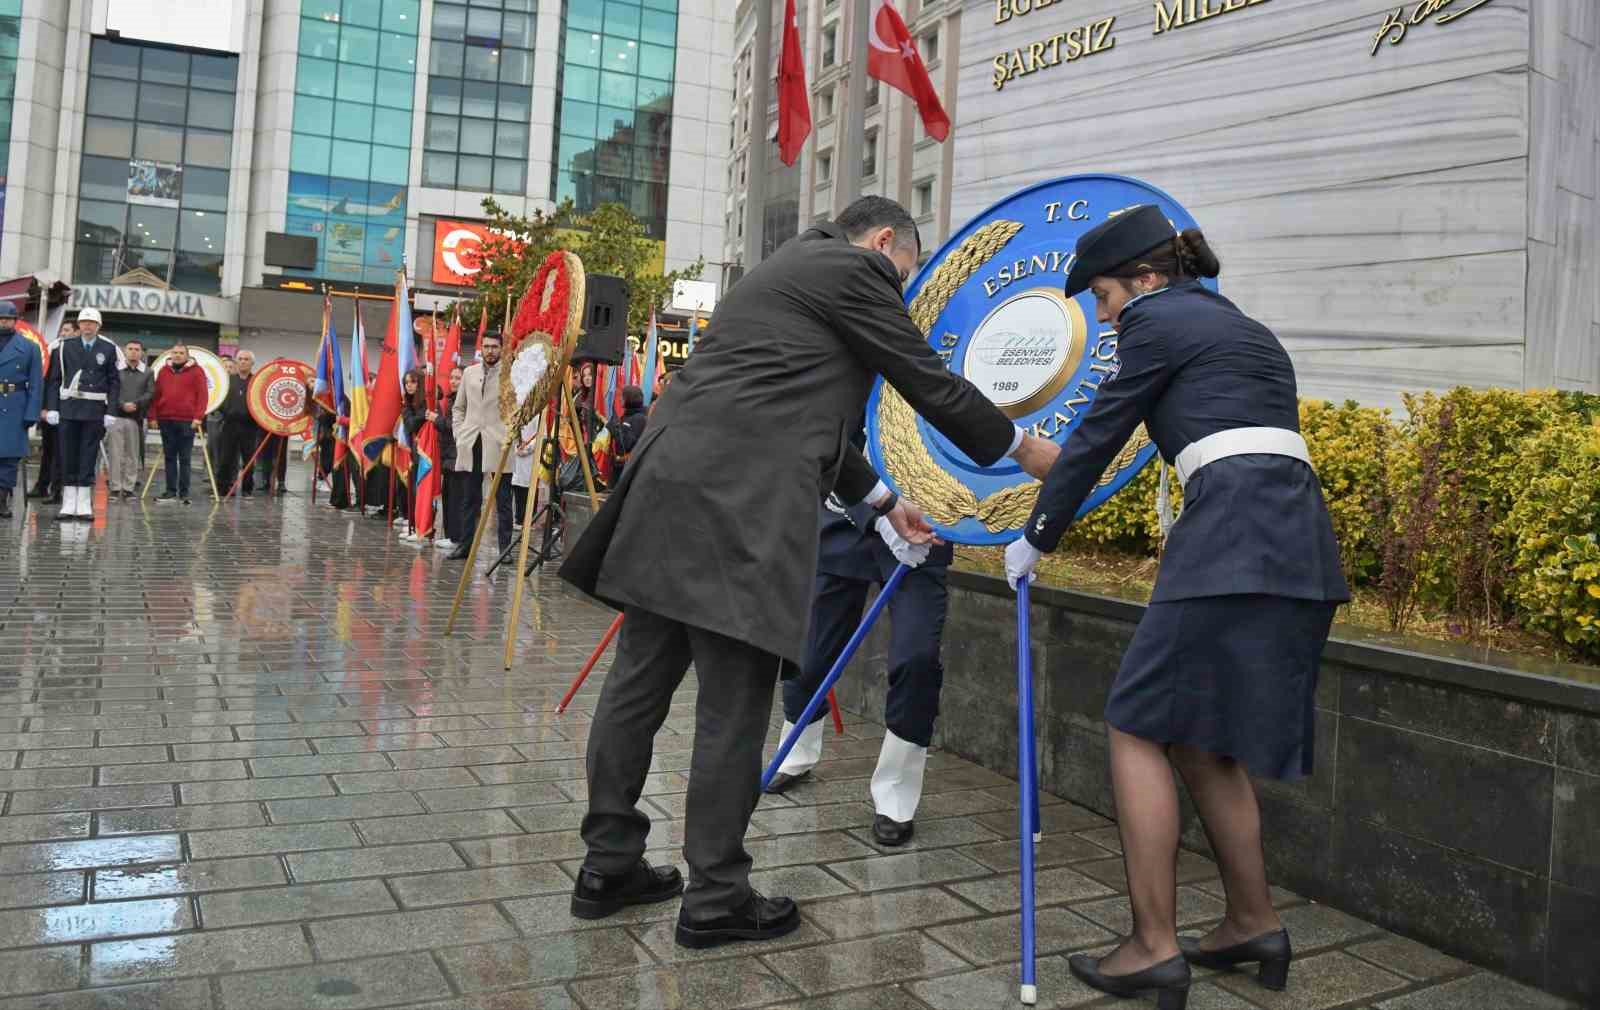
(187, 878)
(863, 962)
(276, 784)
(347, 985)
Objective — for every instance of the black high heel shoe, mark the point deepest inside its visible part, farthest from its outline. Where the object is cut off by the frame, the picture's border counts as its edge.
(1272, 950)
(1169, 980)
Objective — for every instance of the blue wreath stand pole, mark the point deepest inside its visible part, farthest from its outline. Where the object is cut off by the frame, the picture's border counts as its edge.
(1028, 785)
(833, 675)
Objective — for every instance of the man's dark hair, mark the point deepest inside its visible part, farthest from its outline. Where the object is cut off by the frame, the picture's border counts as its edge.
(873, 212)
(493, 336)
(632, 396)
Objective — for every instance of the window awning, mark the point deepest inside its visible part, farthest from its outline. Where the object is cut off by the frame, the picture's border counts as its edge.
(29, 287)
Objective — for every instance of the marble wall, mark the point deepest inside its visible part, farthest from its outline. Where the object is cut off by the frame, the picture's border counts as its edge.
(1416, 217)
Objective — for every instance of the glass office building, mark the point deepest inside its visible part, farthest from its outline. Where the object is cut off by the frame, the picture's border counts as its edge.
(350, 158)
(153, 180)
(615, 116)
(480, 96)
(176, 166)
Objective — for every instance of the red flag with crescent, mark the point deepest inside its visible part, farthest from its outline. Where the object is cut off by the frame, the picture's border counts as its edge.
(894, 60)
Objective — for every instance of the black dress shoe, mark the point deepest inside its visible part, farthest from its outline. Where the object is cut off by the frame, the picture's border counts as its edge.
(597, 896)
(758, 919)
(55, 498)
(1169, 980)
(888, 831)
(5, 503)
(782, 781)
(1272, 950)
(37, 492)
(459, 554)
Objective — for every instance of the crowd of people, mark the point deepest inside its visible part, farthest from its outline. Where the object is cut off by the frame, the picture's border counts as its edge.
(465, 412)
(97, 401)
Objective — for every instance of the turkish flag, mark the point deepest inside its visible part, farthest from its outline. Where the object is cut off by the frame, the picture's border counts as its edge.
(893, 59)
(794, 105)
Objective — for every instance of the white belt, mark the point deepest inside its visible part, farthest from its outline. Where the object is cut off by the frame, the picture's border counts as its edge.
(1239, 442)
(73, 394)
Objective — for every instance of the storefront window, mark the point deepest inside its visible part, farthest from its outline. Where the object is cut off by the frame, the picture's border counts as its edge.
(156, 148)
(614, 138)
(480, 79)
(350, 158)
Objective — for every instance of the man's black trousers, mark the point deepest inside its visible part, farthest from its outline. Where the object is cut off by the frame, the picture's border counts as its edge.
(732, 708)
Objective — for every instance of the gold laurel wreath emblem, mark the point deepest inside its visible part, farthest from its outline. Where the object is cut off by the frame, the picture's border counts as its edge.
(946, 500)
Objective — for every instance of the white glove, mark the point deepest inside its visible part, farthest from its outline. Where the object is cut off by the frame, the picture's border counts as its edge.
(109, 421)
(1021, 558)
(904, 551)
(52, 417)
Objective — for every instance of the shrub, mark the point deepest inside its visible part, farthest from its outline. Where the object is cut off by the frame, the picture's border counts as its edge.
(1348, 445)
(1480, 451)
(1554, 579)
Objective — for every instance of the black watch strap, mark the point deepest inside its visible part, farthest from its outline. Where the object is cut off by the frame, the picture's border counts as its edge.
(886, 506)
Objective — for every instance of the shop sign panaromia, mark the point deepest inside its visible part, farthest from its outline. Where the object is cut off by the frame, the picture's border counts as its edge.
(146, 301)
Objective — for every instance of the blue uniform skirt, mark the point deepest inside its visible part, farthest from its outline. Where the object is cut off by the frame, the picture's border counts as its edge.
(1231, 675)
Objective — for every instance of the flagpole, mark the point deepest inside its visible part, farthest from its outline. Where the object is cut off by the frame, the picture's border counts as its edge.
(855, 129)
(760, 146)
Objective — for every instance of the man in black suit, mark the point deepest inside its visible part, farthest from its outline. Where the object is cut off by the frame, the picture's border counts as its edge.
(709, 545)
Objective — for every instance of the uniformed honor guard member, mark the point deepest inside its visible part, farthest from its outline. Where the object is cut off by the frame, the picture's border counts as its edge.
(21, 393)
(709, 545)
(859, 549)
(79, 399)
(1220, 676)
(48, 484)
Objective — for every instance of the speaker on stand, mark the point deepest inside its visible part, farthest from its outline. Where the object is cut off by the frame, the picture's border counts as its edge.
(605, 321)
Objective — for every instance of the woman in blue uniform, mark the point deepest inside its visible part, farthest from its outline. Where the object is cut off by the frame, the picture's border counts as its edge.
(1220, 676)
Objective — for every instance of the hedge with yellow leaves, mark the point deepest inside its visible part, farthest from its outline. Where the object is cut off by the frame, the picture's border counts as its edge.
(1524, 465)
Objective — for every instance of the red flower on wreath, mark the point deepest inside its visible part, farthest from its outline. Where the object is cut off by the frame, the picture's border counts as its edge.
(544, 307)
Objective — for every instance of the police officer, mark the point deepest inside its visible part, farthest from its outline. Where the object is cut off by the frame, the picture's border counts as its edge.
(857, 550)
(79, 399)
(21, 392)
(1220, 677)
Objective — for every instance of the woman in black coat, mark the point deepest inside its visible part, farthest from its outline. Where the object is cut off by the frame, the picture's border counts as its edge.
(1220, 677)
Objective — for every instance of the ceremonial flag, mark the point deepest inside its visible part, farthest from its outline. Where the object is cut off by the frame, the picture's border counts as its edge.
(428, 476)
(602, 385)
(450, 357)
(694, 327)
(894, 60)
(328, 389)
(405, 352)
(651, 350)
(357, 389)
(619, 378)
(483, 327)
(384, 408)
(794, 106)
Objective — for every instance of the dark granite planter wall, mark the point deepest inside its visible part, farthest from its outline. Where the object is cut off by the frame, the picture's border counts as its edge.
(1453, 802)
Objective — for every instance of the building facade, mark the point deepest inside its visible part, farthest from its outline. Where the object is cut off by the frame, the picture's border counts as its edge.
(1408, 193)
(898, 159)
(165, 154)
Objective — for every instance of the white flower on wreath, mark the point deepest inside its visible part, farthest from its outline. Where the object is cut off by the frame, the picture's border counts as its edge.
(529, 367)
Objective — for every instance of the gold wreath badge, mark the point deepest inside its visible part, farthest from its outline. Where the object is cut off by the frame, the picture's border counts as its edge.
(946, 500)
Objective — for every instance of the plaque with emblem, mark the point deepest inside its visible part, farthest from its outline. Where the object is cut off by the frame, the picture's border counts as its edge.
(278, 396)
(990, 302)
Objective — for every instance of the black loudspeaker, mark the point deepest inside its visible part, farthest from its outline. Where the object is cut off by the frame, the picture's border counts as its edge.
(605, 321)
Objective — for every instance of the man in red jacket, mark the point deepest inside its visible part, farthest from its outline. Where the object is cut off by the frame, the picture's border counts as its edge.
(177, 409)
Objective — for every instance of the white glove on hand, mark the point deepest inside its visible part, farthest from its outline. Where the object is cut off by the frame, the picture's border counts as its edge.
(52, 417)
(109, 420)
(904, 551)
(1021, 558)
